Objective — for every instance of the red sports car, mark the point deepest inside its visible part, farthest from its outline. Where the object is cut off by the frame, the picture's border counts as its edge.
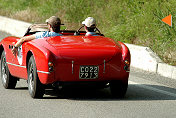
(72, 58)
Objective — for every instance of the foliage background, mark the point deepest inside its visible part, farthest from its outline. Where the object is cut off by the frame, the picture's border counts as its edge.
(131, 21)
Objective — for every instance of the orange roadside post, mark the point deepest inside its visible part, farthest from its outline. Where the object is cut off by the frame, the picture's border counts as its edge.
(168, 20)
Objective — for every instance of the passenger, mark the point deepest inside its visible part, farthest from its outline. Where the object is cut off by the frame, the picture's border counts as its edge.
(54, 28)
(90, 26)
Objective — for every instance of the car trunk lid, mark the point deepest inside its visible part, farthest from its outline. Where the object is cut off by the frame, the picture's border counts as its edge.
(85, 49)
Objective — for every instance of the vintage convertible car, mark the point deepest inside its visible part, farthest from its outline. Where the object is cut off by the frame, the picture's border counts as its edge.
(72, 58)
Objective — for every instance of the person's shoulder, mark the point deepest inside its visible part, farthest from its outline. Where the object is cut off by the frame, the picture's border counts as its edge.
(55, 34)
(91, 34)
(39, 34)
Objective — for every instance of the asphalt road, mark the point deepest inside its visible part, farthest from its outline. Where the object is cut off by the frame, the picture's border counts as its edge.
(148, 96)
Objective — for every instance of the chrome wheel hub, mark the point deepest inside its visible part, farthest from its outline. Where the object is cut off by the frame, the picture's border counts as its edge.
(31, 79)
(4, 72)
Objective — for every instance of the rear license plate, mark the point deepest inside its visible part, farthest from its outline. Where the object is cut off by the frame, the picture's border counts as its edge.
(88, 72)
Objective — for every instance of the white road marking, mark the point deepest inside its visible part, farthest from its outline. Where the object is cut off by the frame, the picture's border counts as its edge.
(153, 89)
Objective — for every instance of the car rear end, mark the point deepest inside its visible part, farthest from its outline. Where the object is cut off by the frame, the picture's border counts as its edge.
(91, 59)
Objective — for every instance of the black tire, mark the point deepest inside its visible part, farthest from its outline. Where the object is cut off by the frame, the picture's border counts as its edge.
(35, 87)
(118, 88)
(8, 81)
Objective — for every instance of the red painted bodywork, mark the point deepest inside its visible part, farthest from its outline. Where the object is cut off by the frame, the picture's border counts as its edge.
(63, 50)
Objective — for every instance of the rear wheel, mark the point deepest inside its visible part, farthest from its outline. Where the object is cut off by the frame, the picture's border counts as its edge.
(118, 88)
(8, 81)
(35, 87)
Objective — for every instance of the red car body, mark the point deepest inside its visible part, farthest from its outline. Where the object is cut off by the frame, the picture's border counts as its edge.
(67, 54)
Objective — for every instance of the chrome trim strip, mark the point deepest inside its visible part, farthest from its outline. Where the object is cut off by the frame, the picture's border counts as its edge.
(25, 67)
(43, 72)
(104, 66)
(16, 65)
(72, 66)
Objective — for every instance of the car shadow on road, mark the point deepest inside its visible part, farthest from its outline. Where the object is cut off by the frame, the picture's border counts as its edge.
(21, 88)
(134, 92)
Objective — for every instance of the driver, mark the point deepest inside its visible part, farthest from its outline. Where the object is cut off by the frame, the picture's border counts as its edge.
(90, 26)
(54, 28)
